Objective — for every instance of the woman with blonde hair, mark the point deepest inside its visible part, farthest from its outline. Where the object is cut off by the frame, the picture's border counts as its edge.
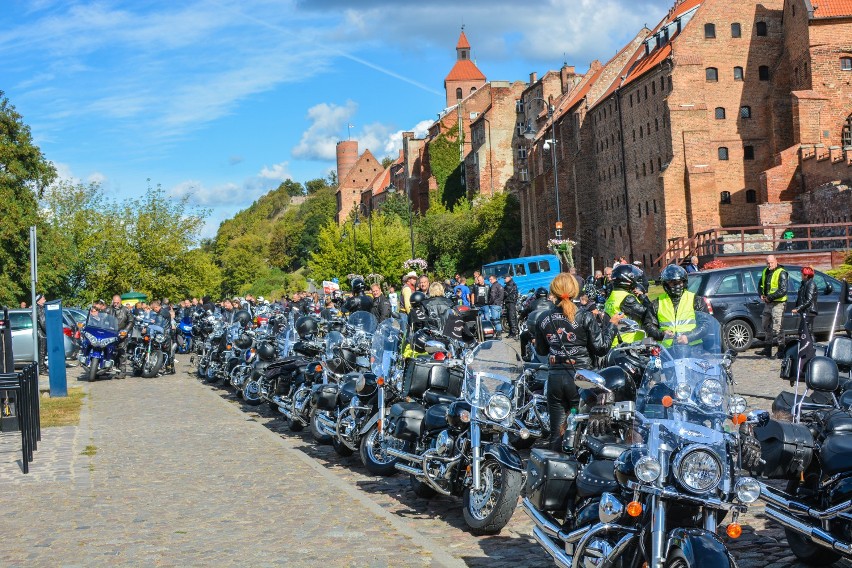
(569, 338)
(436, 290)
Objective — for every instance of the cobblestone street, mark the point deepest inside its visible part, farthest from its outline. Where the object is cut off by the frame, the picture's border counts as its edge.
(174, 472)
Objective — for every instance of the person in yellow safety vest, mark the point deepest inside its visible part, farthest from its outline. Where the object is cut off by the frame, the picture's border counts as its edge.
(675, 311)
(628, 297)
(773, 293)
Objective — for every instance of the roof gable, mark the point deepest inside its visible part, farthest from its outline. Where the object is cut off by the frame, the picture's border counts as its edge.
(465, 70)
(363, 173)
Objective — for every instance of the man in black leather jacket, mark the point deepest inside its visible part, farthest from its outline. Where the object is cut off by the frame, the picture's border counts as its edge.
(541, 302)
(124, 322)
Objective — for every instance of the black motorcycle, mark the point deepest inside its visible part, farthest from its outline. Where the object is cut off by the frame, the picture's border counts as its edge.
(146, 347)
(460, 446)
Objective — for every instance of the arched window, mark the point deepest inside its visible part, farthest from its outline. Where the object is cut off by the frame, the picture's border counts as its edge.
(458, 94)
(760, 27)
(472, 89)
(720, 113)
(709, 31)
(723, 153)
(751, 196)
(738, 73)
(725, 198)
(846, 134)
(712, 74)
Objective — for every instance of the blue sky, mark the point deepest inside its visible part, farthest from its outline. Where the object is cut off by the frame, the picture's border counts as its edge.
(224, 99)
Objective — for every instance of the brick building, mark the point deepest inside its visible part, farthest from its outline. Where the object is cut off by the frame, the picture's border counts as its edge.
(695, 124)
(359, 178)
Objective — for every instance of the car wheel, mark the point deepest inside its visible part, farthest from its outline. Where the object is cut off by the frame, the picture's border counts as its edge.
(738, 335)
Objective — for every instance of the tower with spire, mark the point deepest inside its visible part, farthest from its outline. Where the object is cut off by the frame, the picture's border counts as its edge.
(465, 77)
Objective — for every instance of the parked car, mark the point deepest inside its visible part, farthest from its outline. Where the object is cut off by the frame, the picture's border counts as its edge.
(529, 272)
(23, 347)
(731, 294)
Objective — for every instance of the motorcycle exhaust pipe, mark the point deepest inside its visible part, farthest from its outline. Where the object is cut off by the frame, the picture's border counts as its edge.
(815, 534)
(545, 524)
(561, 559)
(328, 426)
(773, 498)
(408, 469)
(405, 456)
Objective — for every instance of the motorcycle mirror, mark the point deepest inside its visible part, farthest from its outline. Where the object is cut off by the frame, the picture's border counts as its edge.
(758, 418)
(433, 346)
(589, 379)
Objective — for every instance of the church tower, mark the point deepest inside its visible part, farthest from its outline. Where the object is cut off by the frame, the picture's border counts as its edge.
(465, 77)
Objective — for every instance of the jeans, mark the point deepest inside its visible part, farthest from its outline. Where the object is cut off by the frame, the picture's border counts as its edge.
(496, 316)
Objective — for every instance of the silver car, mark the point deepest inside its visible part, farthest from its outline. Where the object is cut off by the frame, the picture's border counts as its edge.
(23, 347)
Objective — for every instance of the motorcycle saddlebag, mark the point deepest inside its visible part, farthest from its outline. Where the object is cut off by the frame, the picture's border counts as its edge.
(551, 479)
(407, 418)
(284, 366)
(423, 373)
(324, 396)
(786, 448)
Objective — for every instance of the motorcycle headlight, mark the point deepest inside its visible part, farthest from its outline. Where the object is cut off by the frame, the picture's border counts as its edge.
(698, 470)
(748, 490)
(737, 405)
(648, 469)
(710, 392)
(683, 391)
(499, 407)
(159, 338)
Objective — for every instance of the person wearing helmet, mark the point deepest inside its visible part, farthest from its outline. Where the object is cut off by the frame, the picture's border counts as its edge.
(306, 328)
(539, 302)
(673, 318)
(418, 317)
(359, 302)
(628, 297)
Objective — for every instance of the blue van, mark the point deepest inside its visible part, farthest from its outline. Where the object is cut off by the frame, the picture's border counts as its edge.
(529, 272)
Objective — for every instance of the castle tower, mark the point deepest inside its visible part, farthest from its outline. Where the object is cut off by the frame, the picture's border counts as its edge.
(347, 155)
(465, 77)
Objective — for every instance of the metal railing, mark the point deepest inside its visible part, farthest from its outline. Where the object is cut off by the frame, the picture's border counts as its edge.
(21, 390)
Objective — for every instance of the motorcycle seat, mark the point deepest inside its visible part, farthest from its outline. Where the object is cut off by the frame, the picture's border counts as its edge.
(605, 447)
(408, 410)
(596, 478)
(836, 454)
(837, 422)
(436, 418)
(433, 397)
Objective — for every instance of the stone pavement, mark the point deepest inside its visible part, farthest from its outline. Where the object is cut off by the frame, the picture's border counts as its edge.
(185, 474)
(180, 477)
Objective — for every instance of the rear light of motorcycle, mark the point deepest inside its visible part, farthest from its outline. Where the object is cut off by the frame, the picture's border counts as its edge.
(439, 356)
(66, 331)
(708, 304)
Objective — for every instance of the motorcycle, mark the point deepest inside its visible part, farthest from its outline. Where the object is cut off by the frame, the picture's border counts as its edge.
(184, 335)
(145, 347)
(459, 446)
(99, 345)
(814, 454)
(660, 501)
(265, 351)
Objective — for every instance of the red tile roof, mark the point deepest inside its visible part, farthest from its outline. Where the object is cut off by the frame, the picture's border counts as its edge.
(832, 8)
(465, 70)
(463, 44)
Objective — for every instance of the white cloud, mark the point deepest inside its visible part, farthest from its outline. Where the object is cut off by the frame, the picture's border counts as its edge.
(232, 194)
(96, 177)
(278, 172)
(65, 173)
(328, 122)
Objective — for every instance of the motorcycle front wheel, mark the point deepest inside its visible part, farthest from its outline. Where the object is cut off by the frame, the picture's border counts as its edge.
(317, 431)
(373, 456)
(152, 364)
(93, 370)
(488, 510)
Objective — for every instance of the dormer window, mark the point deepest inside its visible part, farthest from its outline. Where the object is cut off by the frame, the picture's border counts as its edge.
(464, 54)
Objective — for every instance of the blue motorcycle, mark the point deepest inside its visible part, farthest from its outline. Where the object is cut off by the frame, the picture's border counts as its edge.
(184, 335)
(99, 345)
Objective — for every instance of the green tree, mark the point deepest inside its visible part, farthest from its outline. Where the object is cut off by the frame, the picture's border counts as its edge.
(291, 188)
(396, 205)
(24, 174)
(387, 162)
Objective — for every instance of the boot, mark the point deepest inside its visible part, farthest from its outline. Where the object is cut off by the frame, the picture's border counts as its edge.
(781, 351)
(765, 352)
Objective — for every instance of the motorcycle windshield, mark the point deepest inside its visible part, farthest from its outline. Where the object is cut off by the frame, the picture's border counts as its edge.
(364, 321)
(683, 409)
(102, 321)
(385, 348)
(332, 341)
(490, 368)
(286, 340)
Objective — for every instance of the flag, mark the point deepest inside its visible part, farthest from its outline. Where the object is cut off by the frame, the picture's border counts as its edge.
(806, 350)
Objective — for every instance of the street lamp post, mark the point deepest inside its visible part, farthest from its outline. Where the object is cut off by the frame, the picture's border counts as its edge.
(392, 189)
(550, 145)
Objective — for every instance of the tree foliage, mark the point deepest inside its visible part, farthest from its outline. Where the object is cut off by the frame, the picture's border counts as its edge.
(24, 173)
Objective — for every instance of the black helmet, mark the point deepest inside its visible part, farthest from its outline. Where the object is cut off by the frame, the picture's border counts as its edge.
(541, 293)
(266, 351)
(306, 327)
(591, 291)
(627, 277)
(357, 286)
(417, 298)
(674, 280)
(243, 341)
(243, 317)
